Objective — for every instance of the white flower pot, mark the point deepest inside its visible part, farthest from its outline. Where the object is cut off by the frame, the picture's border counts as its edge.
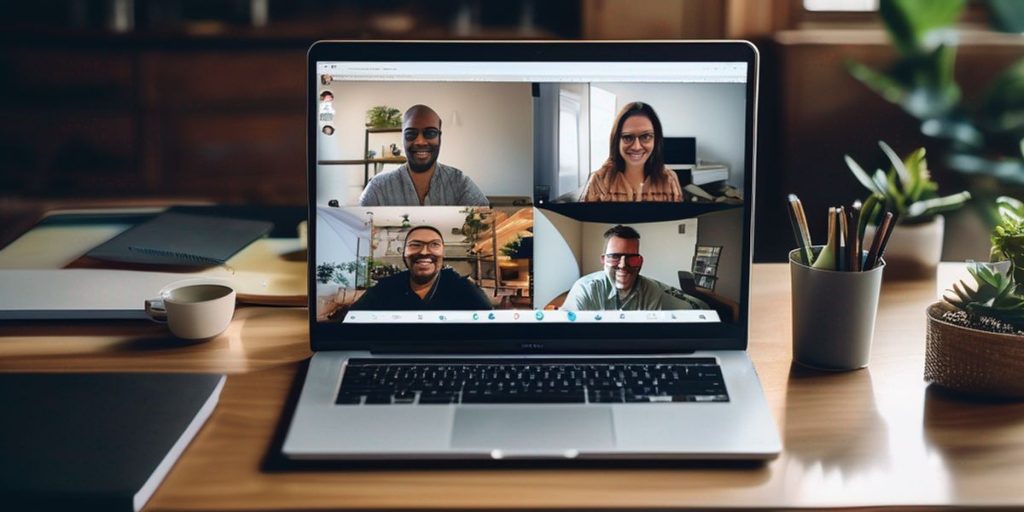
(914, 250)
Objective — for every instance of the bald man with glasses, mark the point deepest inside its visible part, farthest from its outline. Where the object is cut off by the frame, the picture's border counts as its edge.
(422, 180)
(426, 284)
(619, 286)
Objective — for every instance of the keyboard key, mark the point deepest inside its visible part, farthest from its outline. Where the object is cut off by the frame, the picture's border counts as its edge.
(378, 399)
(438, 397)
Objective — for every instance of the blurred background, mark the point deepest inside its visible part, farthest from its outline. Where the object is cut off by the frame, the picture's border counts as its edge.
(122, 101)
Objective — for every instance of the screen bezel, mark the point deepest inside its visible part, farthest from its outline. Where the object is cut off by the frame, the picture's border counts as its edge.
(533, 338)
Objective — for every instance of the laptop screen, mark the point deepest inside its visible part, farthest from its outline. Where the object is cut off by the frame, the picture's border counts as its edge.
(529, 196)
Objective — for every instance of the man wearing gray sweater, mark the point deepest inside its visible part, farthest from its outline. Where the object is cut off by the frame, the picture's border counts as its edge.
(422, 181)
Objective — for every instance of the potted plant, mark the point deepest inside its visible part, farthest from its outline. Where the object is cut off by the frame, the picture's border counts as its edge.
(908, 191)
(1008, 236)
(383, 116)
(975, 337)
(976, 333)
(474, 224)
(980, 135)
(329, 277)
(511, 249)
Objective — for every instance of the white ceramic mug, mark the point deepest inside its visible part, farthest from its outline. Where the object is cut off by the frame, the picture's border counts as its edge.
(195, 311)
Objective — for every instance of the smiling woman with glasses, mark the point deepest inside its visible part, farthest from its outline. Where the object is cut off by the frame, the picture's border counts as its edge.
(635, 169)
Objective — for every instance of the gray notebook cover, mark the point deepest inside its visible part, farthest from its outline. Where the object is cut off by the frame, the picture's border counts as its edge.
(182, 239)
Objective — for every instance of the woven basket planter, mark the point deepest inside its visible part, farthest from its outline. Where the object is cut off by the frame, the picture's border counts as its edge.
(971, 361)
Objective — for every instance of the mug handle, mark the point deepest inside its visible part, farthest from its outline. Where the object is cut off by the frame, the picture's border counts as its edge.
(156, 310)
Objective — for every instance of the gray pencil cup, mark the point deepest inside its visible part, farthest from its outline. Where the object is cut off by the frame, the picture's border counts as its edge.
(833, 315)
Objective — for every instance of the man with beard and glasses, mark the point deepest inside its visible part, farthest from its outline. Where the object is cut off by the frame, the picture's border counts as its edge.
(426, 285)
(620, 286)
(422, 180)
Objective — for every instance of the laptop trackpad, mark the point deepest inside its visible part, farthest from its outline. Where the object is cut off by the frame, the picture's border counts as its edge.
(540, 431)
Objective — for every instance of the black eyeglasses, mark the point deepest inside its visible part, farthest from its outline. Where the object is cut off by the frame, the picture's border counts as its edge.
(613, 258)
(628, 138)
(417, 246)
(428, 133)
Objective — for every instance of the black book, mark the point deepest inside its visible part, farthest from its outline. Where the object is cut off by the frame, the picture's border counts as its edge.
(96, 441)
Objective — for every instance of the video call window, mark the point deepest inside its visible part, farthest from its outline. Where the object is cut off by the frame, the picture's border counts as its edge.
(477, 136)
(466, 191)
(423, 259)
(627, 142)
(648, 266)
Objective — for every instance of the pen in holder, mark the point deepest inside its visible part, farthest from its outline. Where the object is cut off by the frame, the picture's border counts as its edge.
(833, 313)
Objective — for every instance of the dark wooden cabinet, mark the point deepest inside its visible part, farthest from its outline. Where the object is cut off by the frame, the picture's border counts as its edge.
(150, 119)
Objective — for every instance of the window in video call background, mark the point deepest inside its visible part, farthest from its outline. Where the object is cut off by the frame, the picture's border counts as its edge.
(527, 135)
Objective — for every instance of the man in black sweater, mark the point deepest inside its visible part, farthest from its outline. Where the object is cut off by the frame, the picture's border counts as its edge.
(426, 285)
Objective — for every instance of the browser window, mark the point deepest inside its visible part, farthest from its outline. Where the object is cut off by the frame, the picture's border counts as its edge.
(526, 192)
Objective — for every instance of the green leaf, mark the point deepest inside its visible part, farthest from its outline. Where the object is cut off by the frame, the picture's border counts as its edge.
(862, 176)
(881, 181)
(870, 213)
(944, 59)
(916, 166)
(910, 21)
(1001, 107)
(897, 164)
(896, 199)
(985, 276)
(964, 297)
(1010, 209)
(1007, 15)
(884, 85)
(937, 205)
(955, 130)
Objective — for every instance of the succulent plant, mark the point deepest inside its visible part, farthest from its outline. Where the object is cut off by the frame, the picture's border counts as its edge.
(907, 189)
(994, 296)
(1008, 236)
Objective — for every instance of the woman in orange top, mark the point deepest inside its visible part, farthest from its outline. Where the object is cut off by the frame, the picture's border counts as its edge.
(635, 169)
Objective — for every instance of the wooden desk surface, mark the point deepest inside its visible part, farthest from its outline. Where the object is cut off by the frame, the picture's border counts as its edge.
(867, 438)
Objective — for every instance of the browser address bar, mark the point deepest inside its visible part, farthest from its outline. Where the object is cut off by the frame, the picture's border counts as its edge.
(538, 71)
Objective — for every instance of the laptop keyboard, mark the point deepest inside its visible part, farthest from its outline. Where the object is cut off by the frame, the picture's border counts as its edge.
(500, 381)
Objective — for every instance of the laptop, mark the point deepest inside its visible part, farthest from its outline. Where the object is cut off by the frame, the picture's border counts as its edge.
(454, 314)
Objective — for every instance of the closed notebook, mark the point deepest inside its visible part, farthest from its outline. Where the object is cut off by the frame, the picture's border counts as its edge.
(174, 238)
(96, 441)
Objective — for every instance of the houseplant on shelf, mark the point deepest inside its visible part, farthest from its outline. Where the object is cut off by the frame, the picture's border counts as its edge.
(976, 333)
(383, 116)
(908, 191)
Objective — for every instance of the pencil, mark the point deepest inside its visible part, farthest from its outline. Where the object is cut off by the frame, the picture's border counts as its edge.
(844, 240)
(888, 233)
(853, 249)
(804, 236)
(858, 236)
(876, 243)
(795, 224)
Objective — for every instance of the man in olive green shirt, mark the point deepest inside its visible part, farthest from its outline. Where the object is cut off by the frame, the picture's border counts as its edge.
(620, 286)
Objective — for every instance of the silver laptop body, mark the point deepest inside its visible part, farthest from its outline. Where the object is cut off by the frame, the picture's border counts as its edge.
(530, 323)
